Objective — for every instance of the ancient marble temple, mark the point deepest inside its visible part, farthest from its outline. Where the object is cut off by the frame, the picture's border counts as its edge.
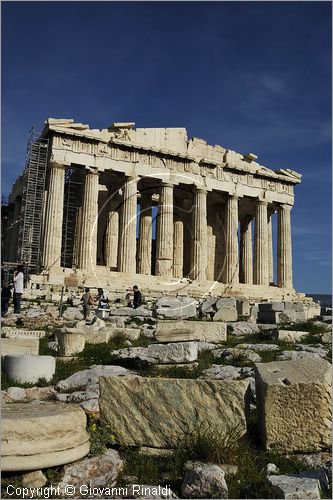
(150, 205)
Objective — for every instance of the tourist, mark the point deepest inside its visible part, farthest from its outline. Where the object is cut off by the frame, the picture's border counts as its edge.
(87, 301)
(18, 288)
(137, 300)
(6, 295)
(103, 300)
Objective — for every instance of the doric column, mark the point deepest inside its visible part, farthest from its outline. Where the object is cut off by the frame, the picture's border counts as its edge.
(178, 249)
(164, 239)
(145, 237)
(284, 252)
(260, 245)
(231, 244)
(199, 242)
(270, 250)
(127, 229)
(111, 239)
(54, 217)
(246, 262)
(15, 232)
(211, 239)
(88, 232)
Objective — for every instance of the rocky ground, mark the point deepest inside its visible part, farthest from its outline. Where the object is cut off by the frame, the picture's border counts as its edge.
(207, 462)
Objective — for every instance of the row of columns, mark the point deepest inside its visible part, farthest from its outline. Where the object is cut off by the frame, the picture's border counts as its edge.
(121, 235)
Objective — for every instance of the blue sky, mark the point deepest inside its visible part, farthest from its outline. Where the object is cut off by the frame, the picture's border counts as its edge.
(251, 76)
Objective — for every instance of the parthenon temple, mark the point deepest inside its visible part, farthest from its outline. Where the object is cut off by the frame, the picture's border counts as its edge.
(148, 206)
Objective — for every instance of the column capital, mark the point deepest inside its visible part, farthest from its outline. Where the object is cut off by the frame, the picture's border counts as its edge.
(167, 184)
(54, 165)
(200, 189)
(285, 206)
(262, 201)
(132, 178)
(91, 170)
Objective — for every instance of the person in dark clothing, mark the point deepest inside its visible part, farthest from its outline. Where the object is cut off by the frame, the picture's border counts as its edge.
(6, 295)
(137, 300)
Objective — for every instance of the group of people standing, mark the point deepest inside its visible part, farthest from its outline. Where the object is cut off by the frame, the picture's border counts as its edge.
(103, 301)
(6, 292)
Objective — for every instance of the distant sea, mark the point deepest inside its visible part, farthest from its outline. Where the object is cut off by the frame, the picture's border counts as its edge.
(325, 299)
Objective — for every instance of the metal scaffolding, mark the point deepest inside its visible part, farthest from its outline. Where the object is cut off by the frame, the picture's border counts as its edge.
(72, 202)
(30, 229)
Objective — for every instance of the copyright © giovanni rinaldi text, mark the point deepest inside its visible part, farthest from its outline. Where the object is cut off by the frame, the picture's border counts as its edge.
(86, 490)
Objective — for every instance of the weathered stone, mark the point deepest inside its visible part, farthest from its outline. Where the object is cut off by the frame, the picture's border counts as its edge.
(259, 347)
(206, 346)
(240, 328)
(163, 408)
(319, 474)
(226, 303)
(225, 372)
(208, 305)
(178, 331)
(142, 311)
(72, 313)
(204, 480)
(135, 353)
(13, 333)
(35, 479)
(16, 393)
(243, 307)
(295, 487)
(70, 343)
(19, 346)
(315, 349)
(38, 435)
(177, 352)
(77, 396)
(289, 335)
(102, 470)
(90, 377)
(271, 307)
(326, 337)
(230, 354)
(296, 355)
(180, 307)
(225, 315)
(28, 369)
(294, 404)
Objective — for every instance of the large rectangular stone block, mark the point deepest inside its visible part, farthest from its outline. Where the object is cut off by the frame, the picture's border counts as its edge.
(176, 352)
(201, 331)
(155, 412)
(271, 306)
(294, 404)
(19, 346)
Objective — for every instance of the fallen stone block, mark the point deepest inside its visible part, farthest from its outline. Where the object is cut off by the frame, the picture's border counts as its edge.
(141, 311)
(28, 369)
(243, 307)
(72, 313)
(259, 347)
(177, 331)
(90, 377)
(39, 435)
(295, 487)
(227, 372)
(271, 307)
(179, 307)
(96, 471)
(19, 346)
(35, 479)
(208, 305)
(226, 315)
(289, 335)
(231, 354)
(176, 352)
(294, 404)
(137, 354)
(13, 333)
(204, 480)
(163, 409)
(240, 328)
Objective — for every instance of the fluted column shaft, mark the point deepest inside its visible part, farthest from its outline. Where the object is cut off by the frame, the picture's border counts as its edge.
(54, 217)
(178, 249)
(261, 245)
(200, 241)
(88, 233)
(246, 261)
(164, 240)
(15, 232)
(270, 250)
(284, 251)
(145, 240)
(111, 239)
(127, 233)
(231, 246)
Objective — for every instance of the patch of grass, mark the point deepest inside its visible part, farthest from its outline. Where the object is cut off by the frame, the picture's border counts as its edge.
(142, 341)
(306, 326)
(44, 349)
(163, 470)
